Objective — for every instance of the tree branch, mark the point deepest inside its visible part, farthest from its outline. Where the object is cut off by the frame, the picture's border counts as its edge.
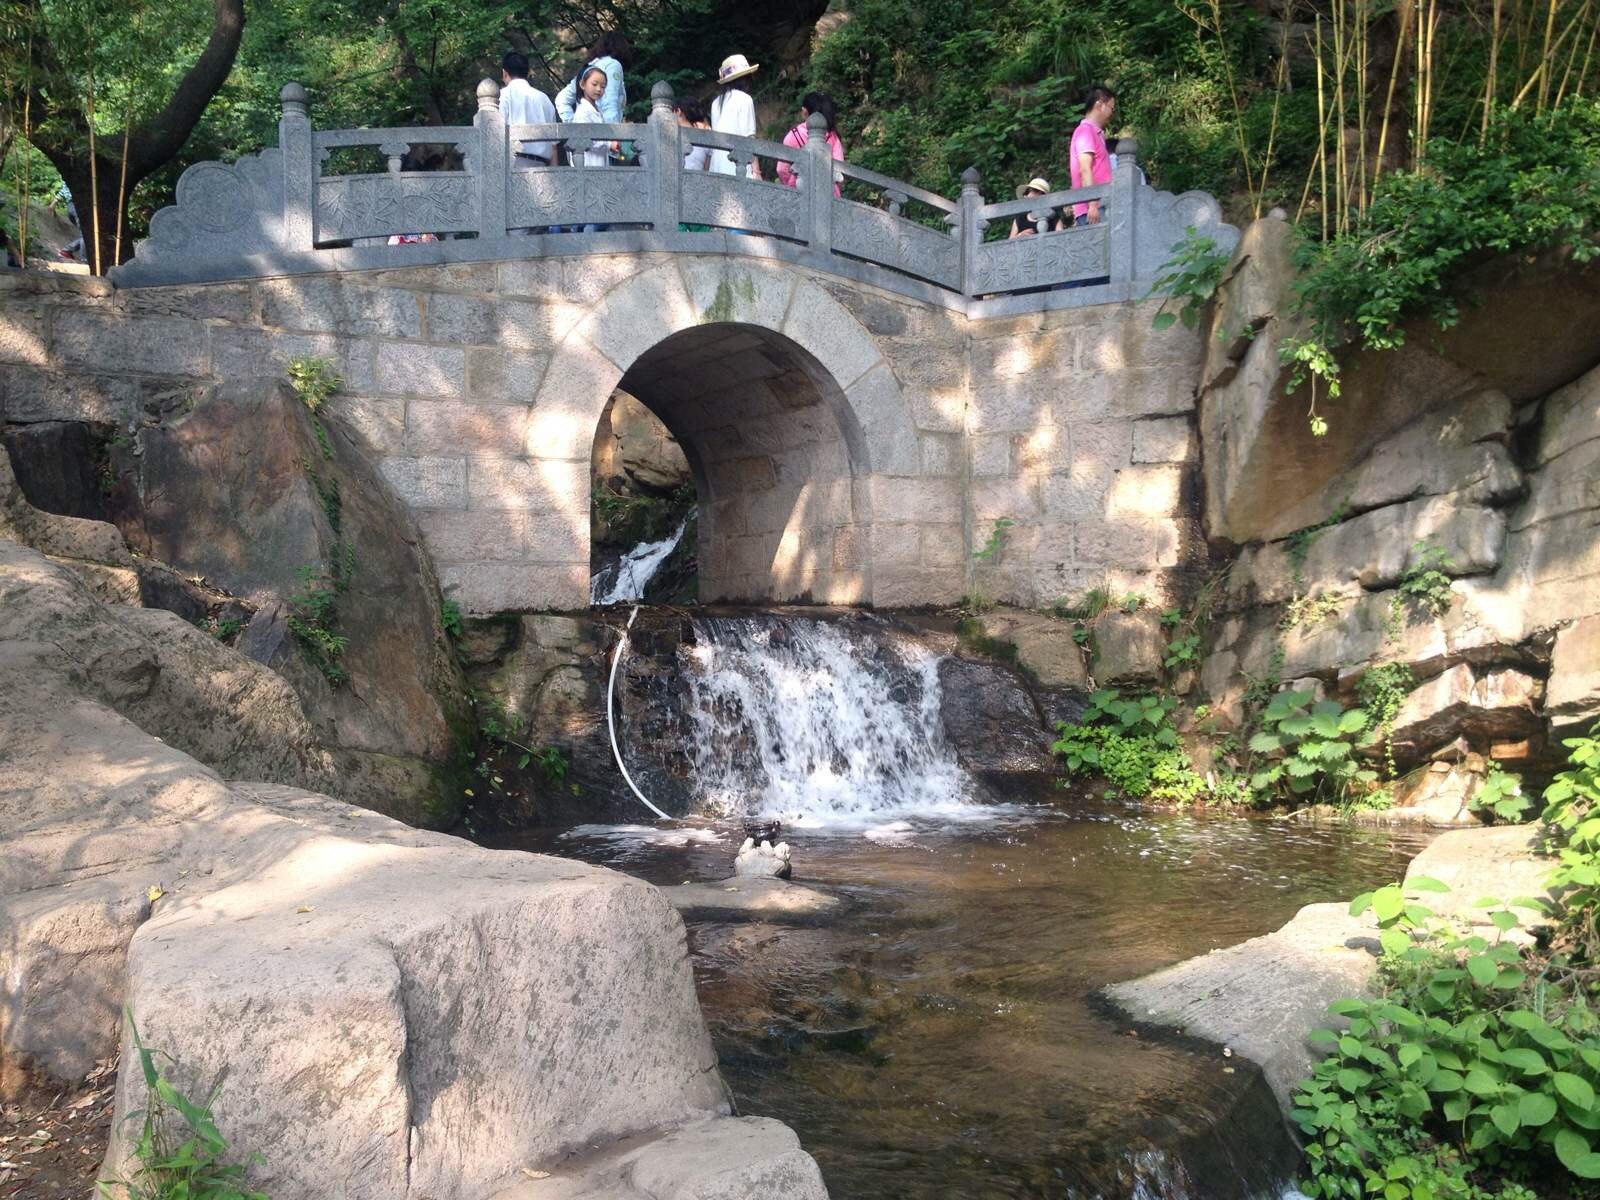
(163, 136)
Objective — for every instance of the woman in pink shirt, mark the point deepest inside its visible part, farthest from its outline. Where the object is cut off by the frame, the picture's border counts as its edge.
(813, 102)
(1088, 158)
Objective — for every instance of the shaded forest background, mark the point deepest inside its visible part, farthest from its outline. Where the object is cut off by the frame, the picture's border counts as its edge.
(1304, 103)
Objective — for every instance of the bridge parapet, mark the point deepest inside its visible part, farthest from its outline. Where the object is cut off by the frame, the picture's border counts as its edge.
(281, 212)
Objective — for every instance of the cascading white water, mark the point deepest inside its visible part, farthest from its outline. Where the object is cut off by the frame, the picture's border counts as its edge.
(794, 718)
(634, 570)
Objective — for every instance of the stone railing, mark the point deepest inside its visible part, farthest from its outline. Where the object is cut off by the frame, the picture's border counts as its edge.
(281, 213)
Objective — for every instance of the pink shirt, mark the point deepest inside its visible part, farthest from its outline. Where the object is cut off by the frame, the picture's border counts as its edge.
(1088, 139)
(797, 138)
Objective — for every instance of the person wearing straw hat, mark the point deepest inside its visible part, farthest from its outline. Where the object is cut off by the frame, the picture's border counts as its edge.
(1023, 224)
(733, 111)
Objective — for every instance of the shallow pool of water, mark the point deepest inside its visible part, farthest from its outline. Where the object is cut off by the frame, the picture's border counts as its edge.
(942, 1037)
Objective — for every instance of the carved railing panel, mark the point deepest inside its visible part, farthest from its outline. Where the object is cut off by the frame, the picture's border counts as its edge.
(729, 202)
(279, 213)
(361, 206)
(892, 241)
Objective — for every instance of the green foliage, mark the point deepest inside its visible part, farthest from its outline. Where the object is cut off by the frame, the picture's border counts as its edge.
(179, 1152)
(1426, 581)
(497, 726)
(1474, 1072)
(1532, 184)
(1500, 796)
(313, 380)
(450, 618)
(992, 548)
(1308, 750)
(1382, 690)
(1131, 742)
(552, 763)
(1189, 278)
(314, 618)
(223, 629)
(1182, 652)
(1572, 814)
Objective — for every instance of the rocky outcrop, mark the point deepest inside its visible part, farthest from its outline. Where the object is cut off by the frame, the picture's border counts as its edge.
(1439, 460)
(632, 448)
(1263, 997)
(395, 1014)
(249, 491)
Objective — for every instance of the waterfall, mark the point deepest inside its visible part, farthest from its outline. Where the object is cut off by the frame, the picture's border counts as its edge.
(627, 580)
(816, 723)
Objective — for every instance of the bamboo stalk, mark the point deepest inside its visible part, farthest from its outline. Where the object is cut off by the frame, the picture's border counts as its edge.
(1490, 78)
(1403, 13)
(1583, 72)
(1572, 57)
(1361, 104)
(1322, 131)
(27, 166)
(1549, 31)
(122, 181)
(94, 173)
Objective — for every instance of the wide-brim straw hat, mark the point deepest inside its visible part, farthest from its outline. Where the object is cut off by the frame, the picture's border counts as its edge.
(1042, 186)
(736, 66)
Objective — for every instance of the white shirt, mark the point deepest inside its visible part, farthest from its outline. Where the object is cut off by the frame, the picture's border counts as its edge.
(733, 111)
(587, 114)
(697, 159)
(523, 104)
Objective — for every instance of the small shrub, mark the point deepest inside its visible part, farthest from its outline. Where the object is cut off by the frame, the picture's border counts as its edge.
(1426, 580)
(1190, 278)
(1500, 796)
(1382, 690)
(990, 551)
(1131, 742)
(450, 618)
(313, 380)
(1183, 652)
(1308, 750)
(189, 1165)
(313, 615)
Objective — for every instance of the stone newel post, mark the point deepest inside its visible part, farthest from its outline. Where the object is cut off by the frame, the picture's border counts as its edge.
(970, 227)
(1120, 236)
(664, 160)
(299, 170)
(817, 180)
(493, 161)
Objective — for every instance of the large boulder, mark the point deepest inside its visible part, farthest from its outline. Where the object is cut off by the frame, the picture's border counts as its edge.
(247, 491)
(1128, 647)
(1573, 698)
(1481, 707)
(991, 720)
(394, 1014)
(1044, 645)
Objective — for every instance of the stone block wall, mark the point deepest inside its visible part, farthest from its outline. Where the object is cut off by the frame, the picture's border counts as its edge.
(867, 467)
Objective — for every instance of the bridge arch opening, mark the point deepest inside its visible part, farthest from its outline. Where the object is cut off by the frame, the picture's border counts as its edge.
(776, 455)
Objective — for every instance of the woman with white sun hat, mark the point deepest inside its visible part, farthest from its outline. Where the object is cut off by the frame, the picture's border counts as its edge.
(733, 111)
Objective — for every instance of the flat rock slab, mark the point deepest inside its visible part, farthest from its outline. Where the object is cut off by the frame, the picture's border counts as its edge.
(751, 898)
(729, 1158)
(1263, 996)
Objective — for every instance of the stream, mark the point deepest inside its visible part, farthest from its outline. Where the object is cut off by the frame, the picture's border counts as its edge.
(942, 1036)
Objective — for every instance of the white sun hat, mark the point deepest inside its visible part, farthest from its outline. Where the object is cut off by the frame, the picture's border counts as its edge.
(735, 66)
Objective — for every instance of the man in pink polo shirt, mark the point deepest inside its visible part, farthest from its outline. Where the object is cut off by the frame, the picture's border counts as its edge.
(1088, 158)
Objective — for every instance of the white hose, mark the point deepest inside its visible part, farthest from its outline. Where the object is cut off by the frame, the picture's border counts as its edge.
(611, 717)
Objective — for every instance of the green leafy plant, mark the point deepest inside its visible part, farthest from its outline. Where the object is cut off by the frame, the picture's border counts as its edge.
(1426, 579)
(1474, 1071)
(1382, 690)
(989, 552)
(1188, 279)
(313, 619)
(1132, 743)
(180, 1155)
(450, 618)
(314, 380)
(1500, 796)
(1182, 652)
(1306, 747)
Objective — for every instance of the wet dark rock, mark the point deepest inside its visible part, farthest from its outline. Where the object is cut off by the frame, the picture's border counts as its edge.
(991, 720)
(60, 466)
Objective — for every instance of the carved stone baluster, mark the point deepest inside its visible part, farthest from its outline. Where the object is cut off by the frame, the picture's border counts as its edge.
(493, 161)
(970, 227)
(394, 152)
(299, 170)
(1122, 238)
(664, 161)
(817, 180)
(897, 201)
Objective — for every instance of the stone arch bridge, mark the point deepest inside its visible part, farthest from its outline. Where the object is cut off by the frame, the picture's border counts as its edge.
(863, 384)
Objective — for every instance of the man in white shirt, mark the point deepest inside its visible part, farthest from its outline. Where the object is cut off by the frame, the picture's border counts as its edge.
(523, 104)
